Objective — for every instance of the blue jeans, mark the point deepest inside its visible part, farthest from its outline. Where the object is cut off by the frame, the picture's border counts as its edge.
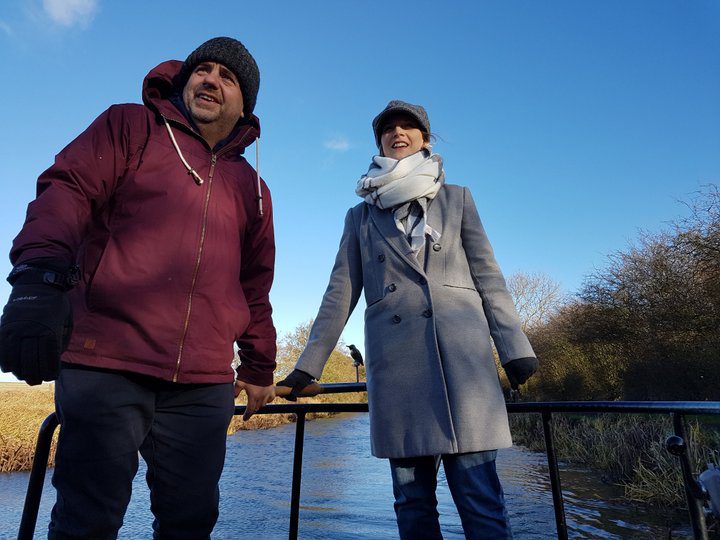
(106, 418)
(474, 486)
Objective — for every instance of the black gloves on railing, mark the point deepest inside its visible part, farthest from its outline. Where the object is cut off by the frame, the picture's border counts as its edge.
(36, 323)
(519, 370)
(297, 380)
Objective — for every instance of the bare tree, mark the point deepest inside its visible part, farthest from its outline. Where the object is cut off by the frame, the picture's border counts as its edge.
(290, 346)
(339, 368)
(537, 297)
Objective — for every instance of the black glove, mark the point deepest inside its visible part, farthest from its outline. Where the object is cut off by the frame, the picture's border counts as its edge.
(36, 323)
(519, 370)
(297, 380)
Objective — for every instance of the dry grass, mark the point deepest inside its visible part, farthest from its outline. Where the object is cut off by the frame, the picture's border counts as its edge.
(22, 409)
(628, 449)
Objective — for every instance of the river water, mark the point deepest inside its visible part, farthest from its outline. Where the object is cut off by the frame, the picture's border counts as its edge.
(346, 493)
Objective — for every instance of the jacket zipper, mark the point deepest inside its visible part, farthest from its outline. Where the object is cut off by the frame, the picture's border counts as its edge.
(196, 271)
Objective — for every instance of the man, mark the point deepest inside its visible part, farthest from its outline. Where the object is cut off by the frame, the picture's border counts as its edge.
(154, 235)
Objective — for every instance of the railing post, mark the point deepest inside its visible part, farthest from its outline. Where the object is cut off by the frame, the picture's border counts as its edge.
(693, 493)
(558, 506)
(297, 475)
(28, 521)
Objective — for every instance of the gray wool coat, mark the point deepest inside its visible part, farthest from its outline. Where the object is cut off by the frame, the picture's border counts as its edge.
(432, 383)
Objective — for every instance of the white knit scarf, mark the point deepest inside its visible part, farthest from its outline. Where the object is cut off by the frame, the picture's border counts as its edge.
(406, 186)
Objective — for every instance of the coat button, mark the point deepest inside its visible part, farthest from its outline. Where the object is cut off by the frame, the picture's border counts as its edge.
(392, 287)
(381, 258)
(396, 319)
(437, 247)
(427, 313)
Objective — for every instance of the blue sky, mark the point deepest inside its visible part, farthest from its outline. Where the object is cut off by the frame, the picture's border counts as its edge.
(576, 124)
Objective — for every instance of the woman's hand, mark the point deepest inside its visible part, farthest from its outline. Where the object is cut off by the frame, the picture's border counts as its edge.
(296, 381)
(518, 371)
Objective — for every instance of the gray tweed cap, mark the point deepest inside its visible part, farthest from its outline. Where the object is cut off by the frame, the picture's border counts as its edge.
(233, 55)
(396, 106)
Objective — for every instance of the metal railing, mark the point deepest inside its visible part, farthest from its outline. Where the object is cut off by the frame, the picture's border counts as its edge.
(676, 444)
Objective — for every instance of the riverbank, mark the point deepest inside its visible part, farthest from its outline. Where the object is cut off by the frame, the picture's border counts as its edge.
(23, 409)
(629, 450)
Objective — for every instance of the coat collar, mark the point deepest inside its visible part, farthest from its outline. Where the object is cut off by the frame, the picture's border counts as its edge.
(385, 223)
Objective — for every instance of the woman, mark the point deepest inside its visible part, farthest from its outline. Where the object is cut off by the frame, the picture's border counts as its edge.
(435, 299)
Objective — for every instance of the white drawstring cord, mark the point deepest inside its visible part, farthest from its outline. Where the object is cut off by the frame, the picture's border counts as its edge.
(191, 171)
(257, 171)
(198, 178)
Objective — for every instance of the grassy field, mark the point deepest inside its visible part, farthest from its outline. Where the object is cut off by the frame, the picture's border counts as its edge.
(23, 409)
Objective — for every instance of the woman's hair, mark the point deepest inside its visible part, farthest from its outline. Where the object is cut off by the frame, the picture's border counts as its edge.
(426, 135)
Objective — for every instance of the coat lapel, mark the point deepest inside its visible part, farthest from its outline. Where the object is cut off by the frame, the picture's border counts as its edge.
(385, 223)
(436, 218)
(436, 212)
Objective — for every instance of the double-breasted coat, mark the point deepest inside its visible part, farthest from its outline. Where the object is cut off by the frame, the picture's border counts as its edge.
(432, 383)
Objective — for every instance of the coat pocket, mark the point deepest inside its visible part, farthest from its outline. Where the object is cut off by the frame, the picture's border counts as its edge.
(372, 296)
(94, 297)
(375, 261)
(457, 270)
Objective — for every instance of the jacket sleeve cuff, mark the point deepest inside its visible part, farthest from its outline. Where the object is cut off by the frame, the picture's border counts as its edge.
(258, 378)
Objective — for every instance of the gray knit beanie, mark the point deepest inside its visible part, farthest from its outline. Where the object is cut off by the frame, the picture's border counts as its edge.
(233, 55)
(396, 106)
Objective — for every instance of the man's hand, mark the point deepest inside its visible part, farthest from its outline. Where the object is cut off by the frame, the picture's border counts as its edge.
(35, 326)
(519, 370)
(257, 396)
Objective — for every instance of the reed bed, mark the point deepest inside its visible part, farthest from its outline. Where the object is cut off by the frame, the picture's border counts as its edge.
(628, 449)
(22, 410)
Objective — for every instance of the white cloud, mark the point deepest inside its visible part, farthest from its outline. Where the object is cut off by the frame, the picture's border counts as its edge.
(70, 12)
(6, 28)
(339, 144)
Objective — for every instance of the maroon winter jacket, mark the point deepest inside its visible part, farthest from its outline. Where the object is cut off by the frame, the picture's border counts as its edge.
(172, 272)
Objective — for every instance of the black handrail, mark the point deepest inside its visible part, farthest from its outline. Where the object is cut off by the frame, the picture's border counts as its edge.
(677, 445)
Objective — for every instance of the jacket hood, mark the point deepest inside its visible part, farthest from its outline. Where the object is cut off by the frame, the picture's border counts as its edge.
(159, 86)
